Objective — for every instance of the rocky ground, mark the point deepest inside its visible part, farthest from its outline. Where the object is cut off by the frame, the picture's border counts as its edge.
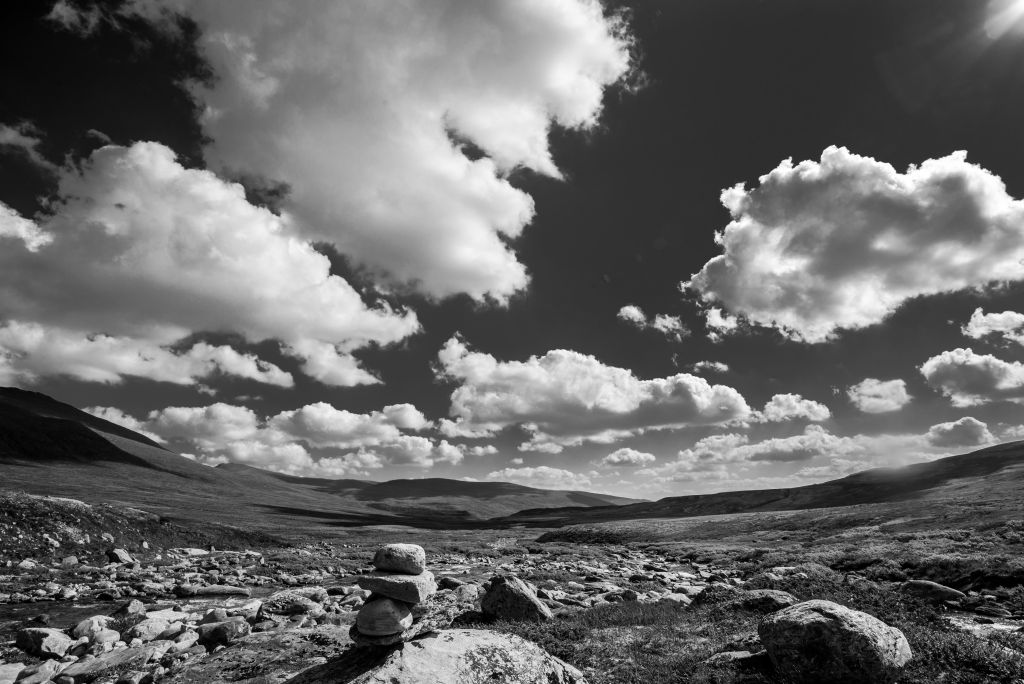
(109, 611)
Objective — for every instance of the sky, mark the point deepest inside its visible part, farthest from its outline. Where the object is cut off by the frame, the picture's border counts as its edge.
(646, 249)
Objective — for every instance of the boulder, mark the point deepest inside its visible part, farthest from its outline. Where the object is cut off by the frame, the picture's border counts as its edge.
(458, 656)
(43, 642)
(406, 588)
(147, 630)
(133, 607)
(119, 556)
(90, 626)
(931, 591)
(289, 602)
(817, 641)
(509, 598)
(222, 633)
(383, 617)
(404, 558)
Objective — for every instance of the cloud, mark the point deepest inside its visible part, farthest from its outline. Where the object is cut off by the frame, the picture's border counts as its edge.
(565, 398)
(719, 324)
(365, 112)
(965, 432)
(142, 253)
(324, 426)
(970, 379)
(14, 226)
(628, 458)
(24, 138)
(633, 315)
(306, 441)
(119, 417)
(842, 243)
(669, 326)
(542, 477)
(710, 367)
(1009, 325)
(74, 18)
(784, 407)
(724, 457)
(871, 395)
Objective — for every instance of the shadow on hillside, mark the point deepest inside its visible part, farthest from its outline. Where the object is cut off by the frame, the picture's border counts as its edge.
(425, 520)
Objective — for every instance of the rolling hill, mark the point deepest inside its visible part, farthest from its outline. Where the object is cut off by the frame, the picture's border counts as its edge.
(996, 472)
(48, 447)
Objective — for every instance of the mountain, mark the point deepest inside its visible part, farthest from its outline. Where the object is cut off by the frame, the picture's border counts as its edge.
(48, 447)
(993, 473)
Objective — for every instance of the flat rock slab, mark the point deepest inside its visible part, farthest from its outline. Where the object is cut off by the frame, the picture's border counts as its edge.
(458, 656)
(409, 559)
(407, 588)
(114, 661)
(265, 657)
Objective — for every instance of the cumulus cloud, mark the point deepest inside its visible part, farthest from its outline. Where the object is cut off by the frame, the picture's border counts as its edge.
(723, 457)
(784, 407)
(841, 243)
(141, 253)
(628, 458)
(565, 398)
(25, 139)
(370, 138)
(81, 20)
(1009, 325)
(542, 477)
(314, 440)
(871, 395)
(119, 417)
(669, 326)
(719, 324)
(710, 367)
(971, 379)
(16, 227)
(965, 432)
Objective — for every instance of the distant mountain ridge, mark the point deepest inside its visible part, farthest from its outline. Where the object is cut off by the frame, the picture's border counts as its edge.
(48, 447)
(992, 472)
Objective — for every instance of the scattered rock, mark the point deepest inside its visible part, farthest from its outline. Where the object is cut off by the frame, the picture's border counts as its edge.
(222, 633)
(119, 556)
(817, 641)
(290, 602)
(765, 600)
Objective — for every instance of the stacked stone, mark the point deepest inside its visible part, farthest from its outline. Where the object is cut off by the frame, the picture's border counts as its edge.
(401, 580)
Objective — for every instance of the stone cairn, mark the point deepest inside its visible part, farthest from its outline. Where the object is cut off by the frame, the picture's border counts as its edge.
(399, 582)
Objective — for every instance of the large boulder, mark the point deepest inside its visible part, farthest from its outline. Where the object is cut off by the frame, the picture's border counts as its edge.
(406, 588)
(509, 598)
(119, 556)
(458, 656)
(405, 558)
(821, 641)
(43, 642)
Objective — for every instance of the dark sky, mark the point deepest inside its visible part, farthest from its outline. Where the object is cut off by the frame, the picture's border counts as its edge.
(719, 93)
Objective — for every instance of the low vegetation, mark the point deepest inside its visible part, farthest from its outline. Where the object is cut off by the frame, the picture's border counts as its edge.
(637, 643)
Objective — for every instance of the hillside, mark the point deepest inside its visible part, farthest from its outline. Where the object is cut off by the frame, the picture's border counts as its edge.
(992, 473)
(47, 447)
